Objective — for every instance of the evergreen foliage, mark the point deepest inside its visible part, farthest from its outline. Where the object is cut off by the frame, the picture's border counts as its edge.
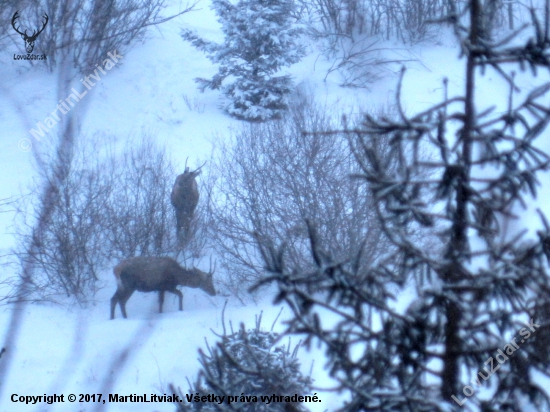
(249, 362)
(260, 39)
(475, 293)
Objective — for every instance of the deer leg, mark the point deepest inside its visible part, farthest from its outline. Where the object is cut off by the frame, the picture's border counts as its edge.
(185, 226)
(123, 298)
(114, 301)
(119, 297)
(161, 300)
(179, 295)
(179, 221)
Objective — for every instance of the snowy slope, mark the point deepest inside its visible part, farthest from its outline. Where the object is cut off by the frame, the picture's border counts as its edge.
(77, 350)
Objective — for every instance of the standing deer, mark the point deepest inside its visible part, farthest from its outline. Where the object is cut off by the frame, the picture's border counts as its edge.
(184, 198)
(162, 274)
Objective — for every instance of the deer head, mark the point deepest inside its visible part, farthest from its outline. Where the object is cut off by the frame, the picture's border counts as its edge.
(29, 40)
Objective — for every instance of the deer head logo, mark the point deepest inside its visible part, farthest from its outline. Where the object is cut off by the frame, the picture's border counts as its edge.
(29, 40)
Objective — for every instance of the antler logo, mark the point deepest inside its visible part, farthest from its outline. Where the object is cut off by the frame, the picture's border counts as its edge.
(29, 40)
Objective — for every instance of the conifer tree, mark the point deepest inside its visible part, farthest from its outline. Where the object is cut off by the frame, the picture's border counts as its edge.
(476, 334)
(249, 363)
(261, 38)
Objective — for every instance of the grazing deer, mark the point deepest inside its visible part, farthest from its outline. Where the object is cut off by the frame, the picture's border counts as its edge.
(184, 198)
(162, 274)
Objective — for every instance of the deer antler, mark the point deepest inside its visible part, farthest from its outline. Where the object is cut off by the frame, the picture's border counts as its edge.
(197, 170)
(43, 27)
(15, 17)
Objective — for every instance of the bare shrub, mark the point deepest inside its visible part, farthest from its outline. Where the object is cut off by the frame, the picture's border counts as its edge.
(139, 220)
(70, 248)
(407, 20)
(82, 32)
(109, 207)
(271, 179)
(7, 8)
(350, 31)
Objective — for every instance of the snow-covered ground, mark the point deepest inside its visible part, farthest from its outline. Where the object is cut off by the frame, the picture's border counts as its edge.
(77, 350)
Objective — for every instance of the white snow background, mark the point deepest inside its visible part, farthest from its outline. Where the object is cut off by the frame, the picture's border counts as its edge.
(71, 350)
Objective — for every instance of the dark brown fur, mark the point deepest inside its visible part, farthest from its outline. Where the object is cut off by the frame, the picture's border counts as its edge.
(162, 274)
(184, 198)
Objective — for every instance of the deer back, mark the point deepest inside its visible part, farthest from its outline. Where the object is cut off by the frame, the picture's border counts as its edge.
(185, 192)
(148, 273)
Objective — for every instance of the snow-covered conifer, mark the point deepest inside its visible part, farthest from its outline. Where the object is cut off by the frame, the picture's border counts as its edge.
(261, 37)
(475, 333)
(249, 362)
